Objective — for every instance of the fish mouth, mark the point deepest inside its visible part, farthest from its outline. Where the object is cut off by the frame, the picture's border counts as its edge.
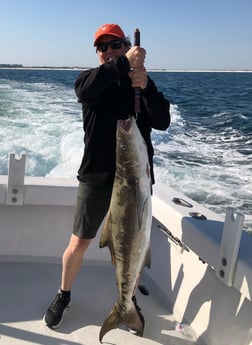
(124, 125)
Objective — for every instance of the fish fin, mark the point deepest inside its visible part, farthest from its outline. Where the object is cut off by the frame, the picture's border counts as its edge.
(147, 262)
(118, 317)
(112, 254)
(140, 205)
(105, 240)
(142, 208)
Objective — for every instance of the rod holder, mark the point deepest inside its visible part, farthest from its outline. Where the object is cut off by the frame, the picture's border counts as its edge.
(229, 248)
(15, 188)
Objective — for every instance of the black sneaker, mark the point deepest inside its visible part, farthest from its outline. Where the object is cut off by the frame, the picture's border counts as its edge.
(53, 316)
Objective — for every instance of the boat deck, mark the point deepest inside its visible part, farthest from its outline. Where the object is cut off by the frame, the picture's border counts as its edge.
(27, 289)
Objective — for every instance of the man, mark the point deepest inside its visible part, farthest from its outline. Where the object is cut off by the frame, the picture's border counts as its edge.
(106, 94)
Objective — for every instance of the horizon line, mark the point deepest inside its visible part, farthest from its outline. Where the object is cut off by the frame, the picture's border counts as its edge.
(20, 66)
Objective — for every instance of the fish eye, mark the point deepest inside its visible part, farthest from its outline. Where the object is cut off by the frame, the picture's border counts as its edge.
(123, 147)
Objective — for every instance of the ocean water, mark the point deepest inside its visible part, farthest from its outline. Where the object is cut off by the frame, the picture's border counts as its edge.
(206, 153)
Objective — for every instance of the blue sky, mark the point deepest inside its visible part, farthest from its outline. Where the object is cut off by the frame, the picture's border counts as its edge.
(177, 34)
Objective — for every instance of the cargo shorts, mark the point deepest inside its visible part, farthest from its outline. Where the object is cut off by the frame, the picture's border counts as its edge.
(91, 207)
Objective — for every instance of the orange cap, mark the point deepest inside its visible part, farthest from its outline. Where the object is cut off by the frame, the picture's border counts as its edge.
(108, 29)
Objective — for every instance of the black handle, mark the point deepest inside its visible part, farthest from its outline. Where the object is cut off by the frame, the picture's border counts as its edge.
(137, 89)
(137, 38)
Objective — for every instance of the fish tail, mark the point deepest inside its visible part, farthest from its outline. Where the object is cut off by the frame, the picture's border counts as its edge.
(118, 317)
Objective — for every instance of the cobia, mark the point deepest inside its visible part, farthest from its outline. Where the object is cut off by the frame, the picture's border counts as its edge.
(128, 224)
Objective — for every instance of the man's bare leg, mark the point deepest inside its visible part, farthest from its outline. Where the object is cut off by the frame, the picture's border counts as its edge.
(72, 260)
(71, 264)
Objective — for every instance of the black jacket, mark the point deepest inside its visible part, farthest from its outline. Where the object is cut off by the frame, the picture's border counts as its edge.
(106, 95)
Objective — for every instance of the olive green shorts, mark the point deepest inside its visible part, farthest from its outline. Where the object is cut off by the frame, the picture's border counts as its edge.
(91, 207)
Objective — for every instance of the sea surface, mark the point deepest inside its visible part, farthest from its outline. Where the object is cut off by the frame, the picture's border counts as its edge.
(206, 153)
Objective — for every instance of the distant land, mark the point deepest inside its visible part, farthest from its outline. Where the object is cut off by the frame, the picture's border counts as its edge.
(20, 66)
(40, 67)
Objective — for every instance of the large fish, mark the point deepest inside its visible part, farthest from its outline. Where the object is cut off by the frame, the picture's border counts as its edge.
(128, 224)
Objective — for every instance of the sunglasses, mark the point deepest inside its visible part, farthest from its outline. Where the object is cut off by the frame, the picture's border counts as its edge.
(114, 44)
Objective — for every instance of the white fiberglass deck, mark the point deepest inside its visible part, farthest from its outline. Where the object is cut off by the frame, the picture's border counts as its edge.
(27, 289)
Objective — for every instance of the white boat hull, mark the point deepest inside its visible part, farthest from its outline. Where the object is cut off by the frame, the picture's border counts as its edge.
(35, 229)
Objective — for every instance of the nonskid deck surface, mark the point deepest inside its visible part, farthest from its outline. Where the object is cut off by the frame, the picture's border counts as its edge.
(27, 289)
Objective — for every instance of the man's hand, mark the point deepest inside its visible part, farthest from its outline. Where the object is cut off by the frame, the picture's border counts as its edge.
(139, 77)
(136, 56)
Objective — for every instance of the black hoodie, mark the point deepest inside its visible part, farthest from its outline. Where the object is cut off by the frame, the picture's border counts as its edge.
(106, 95)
